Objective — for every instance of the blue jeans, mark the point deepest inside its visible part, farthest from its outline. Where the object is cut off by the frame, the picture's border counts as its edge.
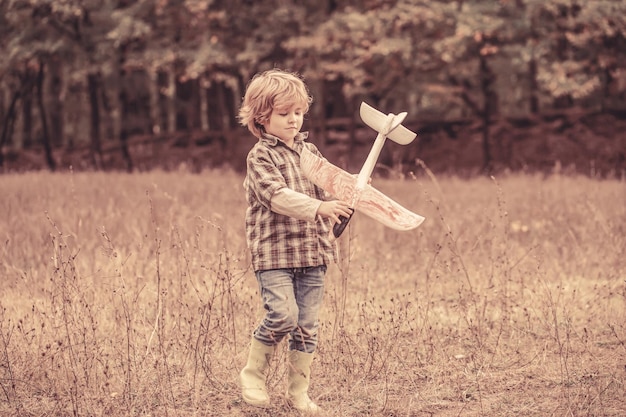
(292, 299)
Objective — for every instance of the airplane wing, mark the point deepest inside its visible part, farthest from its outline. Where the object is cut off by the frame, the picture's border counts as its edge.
(371, 202)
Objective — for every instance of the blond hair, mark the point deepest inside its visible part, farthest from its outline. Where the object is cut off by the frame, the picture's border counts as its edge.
(269, 90)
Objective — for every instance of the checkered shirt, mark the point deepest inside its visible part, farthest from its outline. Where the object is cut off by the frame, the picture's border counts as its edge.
(275, 240)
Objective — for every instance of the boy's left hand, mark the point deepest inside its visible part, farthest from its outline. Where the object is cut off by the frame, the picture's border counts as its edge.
(334, 209)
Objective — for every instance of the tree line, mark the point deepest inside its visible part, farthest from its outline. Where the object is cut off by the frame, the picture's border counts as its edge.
(89, 72)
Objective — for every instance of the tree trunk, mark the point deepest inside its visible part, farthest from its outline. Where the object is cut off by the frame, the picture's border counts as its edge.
(93, 85)
(45, 134)
(124, 109)
(215, 106)
(171, 101)
(562, 54)
(3, 115)
(55, 71)
(533, 68)
(110, 121)
(534, 86)
(156, 125)
(231, 105)
(8, 123)
(27, 113)
(162, 81)
(607, 80)
(220, 105)
(188, 114)
(4, 119)
(490, 107)
(318, 118)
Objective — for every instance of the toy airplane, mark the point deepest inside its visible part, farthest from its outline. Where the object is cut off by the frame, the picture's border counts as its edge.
(356, 191)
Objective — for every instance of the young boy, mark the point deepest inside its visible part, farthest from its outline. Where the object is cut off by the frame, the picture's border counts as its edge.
(287, 227)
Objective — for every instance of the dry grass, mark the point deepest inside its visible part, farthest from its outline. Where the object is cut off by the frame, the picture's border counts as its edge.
(131, 295)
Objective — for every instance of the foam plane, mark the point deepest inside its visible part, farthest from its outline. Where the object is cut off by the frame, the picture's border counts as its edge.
(356, 191)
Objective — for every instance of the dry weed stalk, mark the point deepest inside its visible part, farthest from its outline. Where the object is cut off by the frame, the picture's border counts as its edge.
(509, 300)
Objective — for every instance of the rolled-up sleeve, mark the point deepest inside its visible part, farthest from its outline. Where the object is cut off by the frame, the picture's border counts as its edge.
(294, 204)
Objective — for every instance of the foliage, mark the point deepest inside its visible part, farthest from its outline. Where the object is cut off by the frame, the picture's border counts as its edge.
(585, 49)
(372, 51)
(439, 59)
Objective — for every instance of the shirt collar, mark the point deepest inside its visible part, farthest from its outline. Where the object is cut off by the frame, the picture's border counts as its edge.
(272, 140)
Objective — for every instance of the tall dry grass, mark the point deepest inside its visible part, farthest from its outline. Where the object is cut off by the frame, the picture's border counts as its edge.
(129, 295)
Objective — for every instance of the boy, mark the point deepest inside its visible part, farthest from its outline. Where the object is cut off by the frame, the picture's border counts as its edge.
(287, 233)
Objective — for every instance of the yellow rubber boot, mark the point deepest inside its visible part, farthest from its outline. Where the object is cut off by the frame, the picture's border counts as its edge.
(299, 375)
(253, 375)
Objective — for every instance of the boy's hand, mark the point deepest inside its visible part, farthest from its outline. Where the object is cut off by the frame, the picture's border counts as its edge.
(333, 209)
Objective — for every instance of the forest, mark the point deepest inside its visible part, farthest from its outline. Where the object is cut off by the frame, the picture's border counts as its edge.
(490, 86)
(127, 283)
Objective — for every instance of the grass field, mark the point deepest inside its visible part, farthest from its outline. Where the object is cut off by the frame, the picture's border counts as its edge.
(131, 295)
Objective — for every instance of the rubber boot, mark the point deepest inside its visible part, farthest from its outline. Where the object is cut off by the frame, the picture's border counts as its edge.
(298, 378)
(253, 375)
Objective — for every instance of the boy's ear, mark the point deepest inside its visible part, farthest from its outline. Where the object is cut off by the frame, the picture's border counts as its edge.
(259, 125)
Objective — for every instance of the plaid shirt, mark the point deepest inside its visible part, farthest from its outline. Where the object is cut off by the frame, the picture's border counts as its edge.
(277, 241)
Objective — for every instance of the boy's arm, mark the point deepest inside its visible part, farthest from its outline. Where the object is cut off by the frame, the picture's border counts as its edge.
(294, 204)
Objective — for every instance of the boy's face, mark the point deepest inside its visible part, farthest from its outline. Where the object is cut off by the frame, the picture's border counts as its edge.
(285, 122)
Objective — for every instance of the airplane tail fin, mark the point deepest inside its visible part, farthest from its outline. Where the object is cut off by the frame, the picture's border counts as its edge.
(376, 120)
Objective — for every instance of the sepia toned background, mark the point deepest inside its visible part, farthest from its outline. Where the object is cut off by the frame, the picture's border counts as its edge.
(125, 282)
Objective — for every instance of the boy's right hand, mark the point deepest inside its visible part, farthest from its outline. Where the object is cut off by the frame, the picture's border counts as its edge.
(334, 209)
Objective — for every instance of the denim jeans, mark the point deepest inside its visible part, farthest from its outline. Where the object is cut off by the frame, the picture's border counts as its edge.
(292, 299)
